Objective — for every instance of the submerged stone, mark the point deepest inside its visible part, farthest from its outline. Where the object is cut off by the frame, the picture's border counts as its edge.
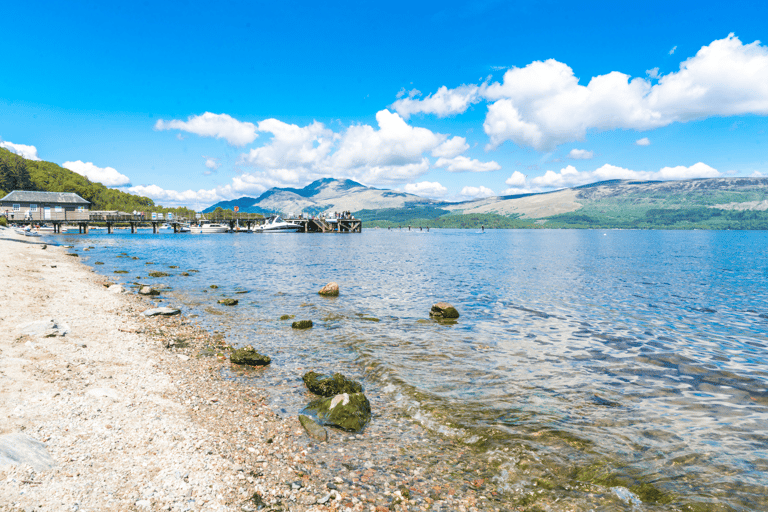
(314, 430)
(228, 302)
(302, 324)
(158, 274)
(162, 311)
(348, 412)
(146, 290)
(329, 386)
(249, 356)
(213, 286)
(121, 272)
(287, 317)
(330, 290)
(98, 262)
(443, 310)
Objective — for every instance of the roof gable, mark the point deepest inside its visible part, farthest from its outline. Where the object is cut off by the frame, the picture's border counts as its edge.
(30, 196)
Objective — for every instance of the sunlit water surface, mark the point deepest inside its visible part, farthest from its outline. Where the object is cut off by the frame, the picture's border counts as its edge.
(629, 359)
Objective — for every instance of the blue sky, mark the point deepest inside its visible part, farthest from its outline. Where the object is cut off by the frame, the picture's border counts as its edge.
(191, 103)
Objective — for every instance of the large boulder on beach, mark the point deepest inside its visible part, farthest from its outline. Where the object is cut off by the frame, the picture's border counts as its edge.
(44, 328)
(443, 310)
(336, 384)
(18, 448)
(350, 412)
(249, 356)
(330, 290)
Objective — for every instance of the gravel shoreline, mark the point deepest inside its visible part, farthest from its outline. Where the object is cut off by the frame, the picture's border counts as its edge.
(136, 415)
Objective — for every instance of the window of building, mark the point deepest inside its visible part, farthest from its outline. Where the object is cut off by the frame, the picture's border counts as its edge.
(58, 209)
(16, 207)
(80, 208)
(33, 207)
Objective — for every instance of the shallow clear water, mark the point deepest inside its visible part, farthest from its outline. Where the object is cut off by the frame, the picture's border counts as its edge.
(626, 359)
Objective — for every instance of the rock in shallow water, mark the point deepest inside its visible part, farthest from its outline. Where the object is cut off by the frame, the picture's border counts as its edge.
(146, 290)
(162, 311)
(350, 412)
(249, 356)
(228, 302)
(444, 310)
(330, 290)
(329, 386)
(302, 324)
(314, 430)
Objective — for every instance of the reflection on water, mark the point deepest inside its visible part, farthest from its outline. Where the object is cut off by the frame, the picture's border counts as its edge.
(624, 359)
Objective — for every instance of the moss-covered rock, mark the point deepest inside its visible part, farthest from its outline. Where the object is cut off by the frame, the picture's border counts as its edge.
(302, 324)
(347, 412)
(73, 254)
(443, 310)
(287, 317)
(146, 290)
(213, 286)
(330, 290)
(121, 272)
(228, 302)
(336, 384)
(185, 274)
(158, 274)
(249, 356)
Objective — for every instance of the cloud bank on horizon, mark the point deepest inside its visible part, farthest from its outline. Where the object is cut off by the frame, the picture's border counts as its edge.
(538, 108)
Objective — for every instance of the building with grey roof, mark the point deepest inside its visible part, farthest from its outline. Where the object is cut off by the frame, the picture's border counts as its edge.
(25, 205)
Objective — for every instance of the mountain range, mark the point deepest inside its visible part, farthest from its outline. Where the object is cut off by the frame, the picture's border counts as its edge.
(709, 203)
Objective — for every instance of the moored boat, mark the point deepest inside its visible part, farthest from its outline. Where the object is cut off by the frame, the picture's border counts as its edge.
(276, 224)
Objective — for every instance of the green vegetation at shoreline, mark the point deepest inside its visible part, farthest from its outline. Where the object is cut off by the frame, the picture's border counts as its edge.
(18, 173)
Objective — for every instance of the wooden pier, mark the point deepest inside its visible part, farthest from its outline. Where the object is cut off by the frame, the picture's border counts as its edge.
(111, 220)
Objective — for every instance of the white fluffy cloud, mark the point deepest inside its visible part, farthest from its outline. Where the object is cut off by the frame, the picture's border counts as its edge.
(212, 163)
(581, 154)
(28, 152)
(468, 193)
(543, 105)
(394, 143)
(220, 126)
(464, 164)
(291, 145)
(426, 189)
(516, 180)
(451, 148)
(391, 154)
(571, 177)
(107, 176)
(444, 102)
(645, 141)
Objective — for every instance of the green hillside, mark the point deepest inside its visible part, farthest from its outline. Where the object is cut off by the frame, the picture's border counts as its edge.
(17, 173)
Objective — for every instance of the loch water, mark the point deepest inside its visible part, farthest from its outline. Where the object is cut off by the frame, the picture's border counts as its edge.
(630, 361)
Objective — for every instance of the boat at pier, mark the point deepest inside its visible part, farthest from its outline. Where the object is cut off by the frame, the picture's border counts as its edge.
(209, 227)
(276, 224)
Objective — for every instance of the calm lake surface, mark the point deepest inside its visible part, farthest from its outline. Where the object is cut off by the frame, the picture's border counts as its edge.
(635, 361)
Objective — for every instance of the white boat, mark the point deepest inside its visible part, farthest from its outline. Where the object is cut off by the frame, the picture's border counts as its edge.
(276, 224)
(184, 228)
(209, 227)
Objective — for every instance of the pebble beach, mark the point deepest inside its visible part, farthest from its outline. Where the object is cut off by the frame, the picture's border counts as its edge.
(108, 409)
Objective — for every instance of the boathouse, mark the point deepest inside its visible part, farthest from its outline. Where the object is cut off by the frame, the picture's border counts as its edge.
(28, 205)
